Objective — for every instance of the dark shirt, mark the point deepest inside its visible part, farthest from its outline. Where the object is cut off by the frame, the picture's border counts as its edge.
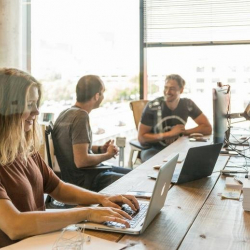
(158, 116)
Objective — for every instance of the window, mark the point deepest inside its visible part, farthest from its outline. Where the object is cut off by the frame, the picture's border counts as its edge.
(200, 69)
(215, 80)
(232, 68)
(231, 80)
(75, 38)
(200, 80)
(207, 40)
(196, 22)
(246, 69)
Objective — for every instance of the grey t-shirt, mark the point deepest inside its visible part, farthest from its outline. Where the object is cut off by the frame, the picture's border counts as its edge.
(72, 127)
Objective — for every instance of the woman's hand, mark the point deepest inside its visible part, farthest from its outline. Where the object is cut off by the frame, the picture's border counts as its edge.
(111, 201)
(102, 214)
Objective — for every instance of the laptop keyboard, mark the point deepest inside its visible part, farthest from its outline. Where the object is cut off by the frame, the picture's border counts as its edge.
(136, 216)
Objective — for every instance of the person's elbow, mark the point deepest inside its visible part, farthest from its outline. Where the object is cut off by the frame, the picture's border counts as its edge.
(15, 235)
(142, 140)
(139, 138)
(208, 129)
(81, 163)
(15, 231)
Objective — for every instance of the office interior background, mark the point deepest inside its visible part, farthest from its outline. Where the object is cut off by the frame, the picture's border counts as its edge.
(132, 45)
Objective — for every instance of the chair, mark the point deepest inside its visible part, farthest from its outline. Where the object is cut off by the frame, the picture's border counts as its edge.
(48, 130)
(137, 108)
(50, 202)
(50, 148)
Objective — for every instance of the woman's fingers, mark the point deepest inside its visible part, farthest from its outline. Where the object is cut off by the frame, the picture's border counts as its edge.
(99, 215)
(112, 204)
(121, 199)
(122, 213)
(115, 219)
(125, 200)
(131, 201)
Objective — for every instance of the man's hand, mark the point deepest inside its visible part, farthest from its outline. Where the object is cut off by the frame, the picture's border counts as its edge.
(105, 146)
(170, 140)
(112, 150)
(177, 130)
(114, 200)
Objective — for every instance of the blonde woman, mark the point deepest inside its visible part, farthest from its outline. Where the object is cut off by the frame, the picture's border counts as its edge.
(24, 176)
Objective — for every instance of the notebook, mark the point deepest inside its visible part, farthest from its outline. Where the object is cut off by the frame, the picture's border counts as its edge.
(199, 163)
(148, 209)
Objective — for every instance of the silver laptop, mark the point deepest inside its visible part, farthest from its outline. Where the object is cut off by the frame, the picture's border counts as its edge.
(148, 209)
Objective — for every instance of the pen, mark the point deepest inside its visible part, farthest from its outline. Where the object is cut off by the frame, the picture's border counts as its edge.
(238, 180)
(225, 171)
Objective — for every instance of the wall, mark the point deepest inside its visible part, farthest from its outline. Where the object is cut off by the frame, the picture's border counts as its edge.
(10, 33)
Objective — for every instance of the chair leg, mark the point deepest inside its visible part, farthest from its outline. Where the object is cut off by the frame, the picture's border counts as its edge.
(137, 160)
(130, 161)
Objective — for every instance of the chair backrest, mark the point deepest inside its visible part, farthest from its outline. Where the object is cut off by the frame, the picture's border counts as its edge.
(137, 108)
(49, 143)
(50, 202)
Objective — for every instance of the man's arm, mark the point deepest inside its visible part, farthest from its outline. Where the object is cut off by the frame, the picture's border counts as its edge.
(203, 127)
(83, 159)
(146, 136)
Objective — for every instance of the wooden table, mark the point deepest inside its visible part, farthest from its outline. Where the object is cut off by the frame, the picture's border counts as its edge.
(194, 215)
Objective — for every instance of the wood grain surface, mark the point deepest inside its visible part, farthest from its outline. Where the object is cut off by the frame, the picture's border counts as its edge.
(177, 224)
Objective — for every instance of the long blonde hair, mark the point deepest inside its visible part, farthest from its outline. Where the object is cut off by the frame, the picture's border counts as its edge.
(14, 141)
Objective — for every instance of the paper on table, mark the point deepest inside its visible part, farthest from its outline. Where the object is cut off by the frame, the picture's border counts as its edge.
(231, 193)
(46, 242)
